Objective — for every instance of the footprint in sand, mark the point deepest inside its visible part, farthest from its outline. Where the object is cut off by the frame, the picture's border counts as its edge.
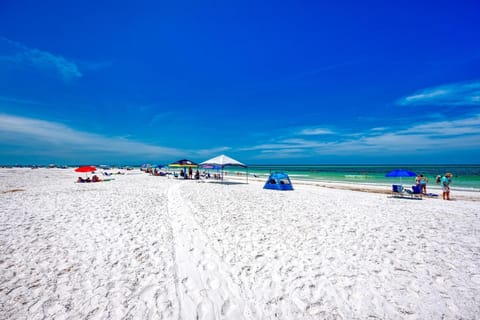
(476, 279)
(213, 283)
(147, 292)
(439, 279)
(209, 266)
(205, 310)
(314, 309)
(230, 310)
(188, 284)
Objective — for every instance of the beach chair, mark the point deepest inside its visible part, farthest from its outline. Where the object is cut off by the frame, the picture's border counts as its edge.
(416, 191)
(398, 190)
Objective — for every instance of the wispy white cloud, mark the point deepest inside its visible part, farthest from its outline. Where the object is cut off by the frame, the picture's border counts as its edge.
(435, 137)
(286, 146)
(210, 152)
(379, 129)
(19, 54)
(455, 94)
(281, 154)
(315, 131)
(34, 134)
(454, 127)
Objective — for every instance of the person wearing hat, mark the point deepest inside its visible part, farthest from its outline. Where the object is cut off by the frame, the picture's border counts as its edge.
(445, 183)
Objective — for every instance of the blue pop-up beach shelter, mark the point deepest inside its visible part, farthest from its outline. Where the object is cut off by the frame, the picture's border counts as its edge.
(278, 181)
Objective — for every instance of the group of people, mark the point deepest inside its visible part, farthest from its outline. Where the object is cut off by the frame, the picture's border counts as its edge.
(444, 182)
(421, 181)
(190, 175)
(95, 178)
(196, 175)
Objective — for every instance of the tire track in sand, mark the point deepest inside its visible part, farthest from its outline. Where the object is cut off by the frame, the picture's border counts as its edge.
(205, 288)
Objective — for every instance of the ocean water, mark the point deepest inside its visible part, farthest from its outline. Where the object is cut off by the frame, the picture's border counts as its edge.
(465, 177)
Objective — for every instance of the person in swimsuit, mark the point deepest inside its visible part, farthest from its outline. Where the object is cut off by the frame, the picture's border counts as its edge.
(423, 183)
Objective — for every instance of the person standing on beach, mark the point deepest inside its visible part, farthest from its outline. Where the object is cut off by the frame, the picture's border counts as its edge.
(423, 183)
(445, 183)
(417, 180)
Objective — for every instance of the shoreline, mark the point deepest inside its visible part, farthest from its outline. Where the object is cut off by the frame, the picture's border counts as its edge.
(379, 188)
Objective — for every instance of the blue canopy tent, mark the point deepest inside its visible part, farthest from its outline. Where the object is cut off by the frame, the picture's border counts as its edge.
(278, 181)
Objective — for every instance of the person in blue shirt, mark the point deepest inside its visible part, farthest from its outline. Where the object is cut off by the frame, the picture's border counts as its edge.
(423, 183)
(445, 183)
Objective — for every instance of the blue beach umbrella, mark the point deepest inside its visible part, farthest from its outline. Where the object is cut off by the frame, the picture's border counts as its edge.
(400, 173)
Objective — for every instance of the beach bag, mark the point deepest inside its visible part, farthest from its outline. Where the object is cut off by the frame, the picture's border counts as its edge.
(438, 179)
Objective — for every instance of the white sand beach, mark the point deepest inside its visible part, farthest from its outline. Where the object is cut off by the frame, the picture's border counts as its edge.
(145, 247)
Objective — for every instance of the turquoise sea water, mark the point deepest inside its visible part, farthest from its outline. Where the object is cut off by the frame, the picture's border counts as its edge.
(464, 176)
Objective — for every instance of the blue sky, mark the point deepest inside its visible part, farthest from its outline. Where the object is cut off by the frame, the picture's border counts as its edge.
(309, 82)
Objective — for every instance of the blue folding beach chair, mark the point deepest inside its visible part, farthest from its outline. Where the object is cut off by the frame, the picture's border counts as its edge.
(416, 191)
(398, 190)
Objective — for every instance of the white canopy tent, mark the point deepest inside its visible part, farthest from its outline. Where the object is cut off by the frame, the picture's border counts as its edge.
(224, 161)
